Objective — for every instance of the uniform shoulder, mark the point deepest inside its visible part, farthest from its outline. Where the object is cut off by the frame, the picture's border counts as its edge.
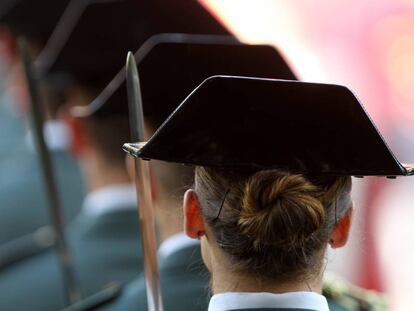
(100, 299)
(351, 297)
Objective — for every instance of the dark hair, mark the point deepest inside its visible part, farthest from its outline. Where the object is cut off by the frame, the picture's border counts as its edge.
(273, 224)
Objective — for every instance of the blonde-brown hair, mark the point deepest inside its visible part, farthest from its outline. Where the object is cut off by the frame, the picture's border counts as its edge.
(273, 224)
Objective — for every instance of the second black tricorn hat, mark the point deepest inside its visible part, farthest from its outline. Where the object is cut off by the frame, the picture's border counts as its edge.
(172, 65)
(242, 122)
(176, 68)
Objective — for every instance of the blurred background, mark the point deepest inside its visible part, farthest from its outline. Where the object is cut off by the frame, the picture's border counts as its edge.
(368, 46)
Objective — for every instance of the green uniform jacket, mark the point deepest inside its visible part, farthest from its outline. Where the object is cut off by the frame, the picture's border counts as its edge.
(12, 128)
(106, 249)
(184, 283)
(23, 203)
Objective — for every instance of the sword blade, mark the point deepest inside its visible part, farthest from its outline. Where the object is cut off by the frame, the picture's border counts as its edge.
(71, 287)
(143, 187)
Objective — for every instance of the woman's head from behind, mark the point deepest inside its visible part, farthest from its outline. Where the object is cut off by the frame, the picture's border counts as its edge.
(268, 225)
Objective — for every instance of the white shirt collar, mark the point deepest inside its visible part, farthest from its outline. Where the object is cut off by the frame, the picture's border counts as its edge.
(115, 197)
(298, 300)
(175, 243)
(57, 136)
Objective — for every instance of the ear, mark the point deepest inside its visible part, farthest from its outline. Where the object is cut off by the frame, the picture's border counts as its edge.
(193, 221)
(79, 140)
(340, 234)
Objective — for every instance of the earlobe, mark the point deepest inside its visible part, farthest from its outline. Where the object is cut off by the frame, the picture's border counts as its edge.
(340, 234)
(193, 219)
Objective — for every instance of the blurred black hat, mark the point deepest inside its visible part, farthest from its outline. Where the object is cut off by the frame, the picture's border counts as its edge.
(240, 122)
(105, 31)
(172, 65)
(171, 70)
(34, 19)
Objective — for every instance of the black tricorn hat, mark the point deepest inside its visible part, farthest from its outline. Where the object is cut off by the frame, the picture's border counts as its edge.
(105, 31)
(251, 123)
(33, 19)
(172, 65)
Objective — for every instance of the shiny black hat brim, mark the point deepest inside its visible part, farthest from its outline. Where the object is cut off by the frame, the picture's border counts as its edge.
(249, 123)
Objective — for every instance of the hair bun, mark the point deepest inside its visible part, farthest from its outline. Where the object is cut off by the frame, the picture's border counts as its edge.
(280, 209)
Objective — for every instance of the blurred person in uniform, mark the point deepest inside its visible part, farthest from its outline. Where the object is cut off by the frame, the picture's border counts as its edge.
(266, 213)
(24, 213)
(184, 277)
(12, 127)
(104, 237)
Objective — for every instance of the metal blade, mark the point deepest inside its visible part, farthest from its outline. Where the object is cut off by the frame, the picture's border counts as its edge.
(143, 186)
(71, 287)
(136, 111)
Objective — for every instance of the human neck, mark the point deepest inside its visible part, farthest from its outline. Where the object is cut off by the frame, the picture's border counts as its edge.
(169, 218)
(223, 279)
(232, 283)
(99, 173)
